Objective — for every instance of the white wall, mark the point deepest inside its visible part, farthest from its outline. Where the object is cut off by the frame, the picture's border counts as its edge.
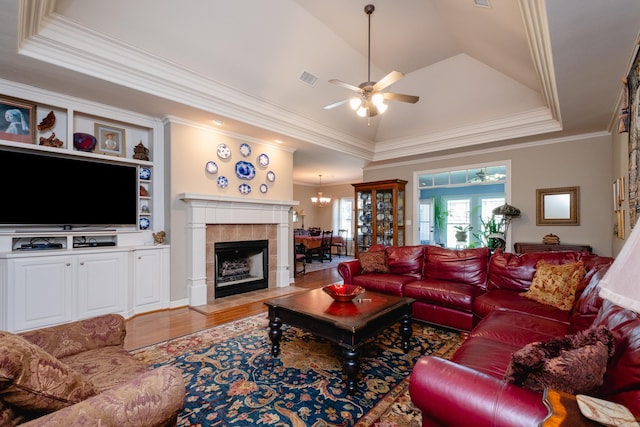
(584, 162)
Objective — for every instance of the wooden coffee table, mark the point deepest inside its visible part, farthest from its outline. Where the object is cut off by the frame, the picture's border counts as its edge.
(347, 324)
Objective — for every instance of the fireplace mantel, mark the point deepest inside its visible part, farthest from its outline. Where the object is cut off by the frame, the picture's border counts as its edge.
(204, 209)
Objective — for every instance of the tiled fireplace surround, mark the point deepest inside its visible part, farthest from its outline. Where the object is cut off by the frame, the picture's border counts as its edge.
(218, 233)
(212, 219)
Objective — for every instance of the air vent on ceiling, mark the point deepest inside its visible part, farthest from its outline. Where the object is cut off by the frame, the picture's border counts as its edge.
(482, 3)
(308, 78)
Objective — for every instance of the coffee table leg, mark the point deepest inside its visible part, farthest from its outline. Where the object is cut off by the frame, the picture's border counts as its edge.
(405, 332)
(275, 333)
(350, 367)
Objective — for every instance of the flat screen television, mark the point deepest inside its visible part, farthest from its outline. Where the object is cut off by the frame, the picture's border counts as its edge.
(62, 191)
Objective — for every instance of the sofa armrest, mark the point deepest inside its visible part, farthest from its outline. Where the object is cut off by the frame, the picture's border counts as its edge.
(349, 269)
(79, 336)
(452, 394)
(154, 398)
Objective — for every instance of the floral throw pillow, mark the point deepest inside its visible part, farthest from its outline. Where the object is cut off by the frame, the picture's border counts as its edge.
(34, 381)
(574, 363)
(556, 284)
(373, 262)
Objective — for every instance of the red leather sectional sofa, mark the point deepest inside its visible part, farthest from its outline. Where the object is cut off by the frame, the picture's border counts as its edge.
(470, 290)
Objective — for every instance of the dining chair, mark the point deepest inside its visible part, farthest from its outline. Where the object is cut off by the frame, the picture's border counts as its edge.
(300, 258)
(341, 244)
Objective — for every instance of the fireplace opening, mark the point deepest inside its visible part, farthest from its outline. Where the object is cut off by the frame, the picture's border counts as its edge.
(241, 267)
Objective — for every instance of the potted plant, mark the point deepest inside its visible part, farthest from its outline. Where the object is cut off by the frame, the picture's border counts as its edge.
(462, 232)
(439, 220)
(492, 235)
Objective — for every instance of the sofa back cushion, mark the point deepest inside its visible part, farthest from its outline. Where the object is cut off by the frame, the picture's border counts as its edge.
(468, 266)
(588, 300)
(515, 271)
(622, 379)
(406, 260)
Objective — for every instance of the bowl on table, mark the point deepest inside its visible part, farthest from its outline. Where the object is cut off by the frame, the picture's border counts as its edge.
(343, 293)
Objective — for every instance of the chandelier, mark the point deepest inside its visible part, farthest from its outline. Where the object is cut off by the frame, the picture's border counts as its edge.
(320, 201)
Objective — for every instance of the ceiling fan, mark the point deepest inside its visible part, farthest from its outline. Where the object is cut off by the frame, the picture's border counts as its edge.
(370, 99)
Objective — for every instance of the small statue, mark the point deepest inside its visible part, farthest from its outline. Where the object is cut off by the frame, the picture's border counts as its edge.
(140, 152)
(47, 122)
(52, 141)
(158, 238)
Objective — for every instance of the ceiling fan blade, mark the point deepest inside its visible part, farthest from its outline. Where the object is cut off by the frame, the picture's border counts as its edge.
(345, 85)
(388, 80)
(335, 104)
(401, 97)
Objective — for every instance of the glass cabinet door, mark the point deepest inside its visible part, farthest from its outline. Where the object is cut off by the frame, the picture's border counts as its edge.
(384, 217)
(379, 211)
(364, 216)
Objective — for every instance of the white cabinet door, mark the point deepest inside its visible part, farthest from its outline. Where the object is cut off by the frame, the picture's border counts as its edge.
(41, 292)
(150, 280)
(102, 284)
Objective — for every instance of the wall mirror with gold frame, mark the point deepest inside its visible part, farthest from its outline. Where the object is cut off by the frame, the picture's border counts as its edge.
(557, 206)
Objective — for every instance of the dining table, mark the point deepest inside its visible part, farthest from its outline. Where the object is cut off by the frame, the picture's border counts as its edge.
(312, 242)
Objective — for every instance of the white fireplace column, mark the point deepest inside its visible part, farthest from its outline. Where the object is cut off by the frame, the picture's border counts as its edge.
(210, 209)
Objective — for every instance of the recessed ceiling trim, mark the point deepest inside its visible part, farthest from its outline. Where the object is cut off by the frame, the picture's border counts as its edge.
(483, 151)
(534, 16)
(525, 124)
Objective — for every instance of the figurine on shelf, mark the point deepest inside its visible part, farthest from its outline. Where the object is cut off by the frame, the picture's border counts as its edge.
(52, 141)
(143, 192)
(140, 152)
(47, 122)
(158, 238)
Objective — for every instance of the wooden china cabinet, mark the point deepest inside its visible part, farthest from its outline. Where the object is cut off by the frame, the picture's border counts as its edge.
(379, 214)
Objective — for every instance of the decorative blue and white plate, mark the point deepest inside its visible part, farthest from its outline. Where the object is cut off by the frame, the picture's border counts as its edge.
(224, 152)
(244, 189)
(271, 176)
(145, 173)
(223, 182)
(263, 159)
(263, 188)
(144, 223)
(245, 150)
(245, 170)
(211, 167)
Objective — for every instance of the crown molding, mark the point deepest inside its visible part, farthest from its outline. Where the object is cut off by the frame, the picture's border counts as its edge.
(52, 38)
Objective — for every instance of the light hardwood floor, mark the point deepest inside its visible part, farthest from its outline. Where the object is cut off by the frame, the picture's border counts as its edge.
(151, 328)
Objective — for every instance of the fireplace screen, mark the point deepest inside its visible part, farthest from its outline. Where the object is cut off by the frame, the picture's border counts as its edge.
(241, 267)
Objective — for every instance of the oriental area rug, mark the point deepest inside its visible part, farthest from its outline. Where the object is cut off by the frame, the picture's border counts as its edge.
(233, 380)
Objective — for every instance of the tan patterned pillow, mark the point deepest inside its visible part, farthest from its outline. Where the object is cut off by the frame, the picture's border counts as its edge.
(32, 380)
(373, 262)
(556, 284)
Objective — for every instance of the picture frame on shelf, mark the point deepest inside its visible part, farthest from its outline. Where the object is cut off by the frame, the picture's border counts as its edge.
(111, 140)
(17, 120)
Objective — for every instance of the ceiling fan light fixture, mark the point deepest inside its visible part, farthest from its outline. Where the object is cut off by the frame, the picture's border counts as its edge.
(377, 99)
(371, 101)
